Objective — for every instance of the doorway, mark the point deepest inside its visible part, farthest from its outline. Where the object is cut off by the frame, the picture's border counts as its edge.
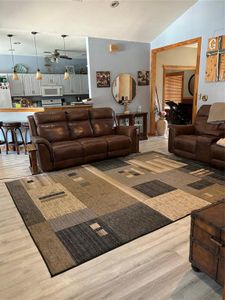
(165, 75)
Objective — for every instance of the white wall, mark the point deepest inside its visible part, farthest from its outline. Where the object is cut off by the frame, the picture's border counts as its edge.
(204, 19)
(131, 58)
(181, 56)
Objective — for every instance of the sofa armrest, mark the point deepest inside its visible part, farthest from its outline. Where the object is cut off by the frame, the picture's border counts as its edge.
(131, 132)
(182, 129)
(175, 130)
(44, 153)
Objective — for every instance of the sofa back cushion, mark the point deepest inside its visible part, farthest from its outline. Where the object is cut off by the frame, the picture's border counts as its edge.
(79, 123)
(201, 125)
(52, 126)
(102, 121)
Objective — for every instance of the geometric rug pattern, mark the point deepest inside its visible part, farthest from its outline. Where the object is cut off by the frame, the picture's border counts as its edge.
(77, 214)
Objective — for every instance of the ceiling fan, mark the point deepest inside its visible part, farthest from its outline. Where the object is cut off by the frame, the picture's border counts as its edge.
(56, 55)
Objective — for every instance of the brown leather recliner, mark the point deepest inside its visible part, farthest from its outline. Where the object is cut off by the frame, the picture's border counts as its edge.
(73, 137)
(198, 141)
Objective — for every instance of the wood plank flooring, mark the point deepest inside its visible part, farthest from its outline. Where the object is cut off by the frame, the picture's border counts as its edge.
(152, 267)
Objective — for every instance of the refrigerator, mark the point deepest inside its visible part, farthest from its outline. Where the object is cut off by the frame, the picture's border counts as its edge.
(5, 95)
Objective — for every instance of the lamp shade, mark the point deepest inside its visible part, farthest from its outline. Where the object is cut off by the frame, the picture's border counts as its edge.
(38, 75)
(15, 76)
(66, 75)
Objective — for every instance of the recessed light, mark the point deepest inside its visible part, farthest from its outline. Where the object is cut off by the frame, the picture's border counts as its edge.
(114, 4)
(17, 43)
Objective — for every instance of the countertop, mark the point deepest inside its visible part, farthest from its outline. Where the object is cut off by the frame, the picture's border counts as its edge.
(40, 109)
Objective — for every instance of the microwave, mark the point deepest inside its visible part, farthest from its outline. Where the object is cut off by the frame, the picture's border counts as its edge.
(51, 90)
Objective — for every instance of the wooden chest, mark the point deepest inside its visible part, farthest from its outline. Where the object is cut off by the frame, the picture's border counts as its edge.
(207, 241)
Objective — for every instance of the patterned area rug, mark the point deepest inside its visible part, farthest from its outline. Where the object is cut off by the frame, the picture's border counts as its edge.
(77, 214)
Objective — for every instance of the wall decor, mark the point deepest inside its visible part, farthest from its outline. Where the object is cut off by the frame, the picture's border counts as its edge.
(215, 59)
(103, 79)
(143, 78)
(70, 69)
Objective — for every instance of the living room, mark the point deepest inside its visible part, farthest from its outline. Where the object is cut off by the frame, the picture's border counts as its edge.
(102, 195)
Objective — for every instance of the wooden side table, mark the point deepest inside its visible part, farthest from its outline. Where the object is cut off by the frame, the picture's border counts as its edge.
(207, 241)
(135, 119)
(32, 151)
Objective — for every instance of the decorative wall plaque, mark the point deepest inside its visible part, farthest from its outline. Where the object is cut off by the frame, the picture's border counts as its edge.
(215, 59)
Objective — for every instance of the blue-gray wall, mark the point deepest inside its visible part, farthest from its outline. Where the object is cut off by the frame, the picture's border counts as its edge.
(131, 58)
(205, 19)
(30, 62)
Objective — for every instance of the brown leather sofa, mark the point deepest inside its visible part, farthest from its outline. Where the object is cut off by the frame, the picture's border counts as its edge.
(198, 141)
(73, 137)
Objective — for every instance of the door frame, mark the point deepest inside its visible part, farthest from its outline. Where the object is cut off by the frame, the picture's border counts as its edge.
(154, 53)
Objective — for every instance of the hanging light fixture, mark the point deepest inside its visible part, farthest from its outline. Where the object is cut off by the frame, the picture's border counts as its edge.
(15, 75)
(66, 74)
(38, 73)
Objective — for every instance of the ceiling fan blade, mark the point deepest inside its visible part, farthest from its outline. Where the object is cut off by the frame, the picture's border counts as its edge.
(65, 57)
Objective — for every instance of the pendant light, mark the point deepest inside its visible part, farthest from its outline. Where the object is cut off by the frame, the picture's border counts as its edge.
(15, 75)
(38, 73)
(66, 74)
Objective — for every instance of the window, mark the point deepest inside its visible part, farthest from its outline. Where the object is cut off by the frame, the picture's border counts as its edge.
(173, 87)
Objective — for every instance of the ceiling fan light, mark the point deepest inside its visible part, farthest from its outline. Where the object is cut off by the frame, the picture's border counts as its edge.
(38, 75)
(15, 75)
(66, 75)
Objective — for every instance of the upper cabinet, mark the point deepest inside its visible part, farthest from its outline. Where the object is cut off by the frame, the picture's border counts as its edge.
(32, 86)
(51, 79)
(84, 84)
(16, 86)
(27, 85)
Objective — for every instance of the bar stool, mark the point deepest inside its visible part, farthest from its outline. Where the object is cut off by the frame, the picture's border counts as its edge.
(25, 127)
(2, 142)
(13, 127)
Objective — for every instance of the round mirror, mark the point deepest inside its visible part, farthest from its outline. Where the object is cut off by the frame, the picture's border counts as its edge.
(191, 84)
(124, 88)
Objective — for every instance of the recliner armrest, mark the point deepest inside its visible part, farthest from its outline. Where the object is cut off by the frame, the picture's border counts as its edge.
(131, 132)
(40, 140)
(182, 129)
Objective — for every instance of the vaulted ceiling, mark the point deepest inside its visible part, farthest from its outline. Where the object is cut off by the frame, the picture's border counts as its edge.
(133, 20)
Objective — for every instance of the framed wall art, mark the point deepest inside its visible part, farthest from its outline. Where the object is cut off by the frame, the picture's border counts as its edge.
(143, 78)
(103, 79)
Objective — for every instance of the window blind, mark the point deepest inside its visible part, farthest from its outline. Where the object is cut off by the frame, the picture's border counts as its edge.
(173, 87)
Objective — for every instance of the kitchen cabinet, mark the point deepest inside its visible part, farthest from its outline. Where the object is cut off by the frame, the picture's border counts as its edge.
(84, 84)
(16, 86)
(27, 85)
(51, 79)
(32, 86)
(72, 86)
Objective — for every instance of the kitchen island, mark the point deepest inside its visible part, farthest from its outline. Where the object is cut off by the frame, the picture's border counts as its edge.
(12, 114)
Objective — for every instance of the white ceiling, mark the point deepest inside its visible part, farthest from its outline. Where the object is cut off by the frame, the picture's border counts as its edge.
(134, 20)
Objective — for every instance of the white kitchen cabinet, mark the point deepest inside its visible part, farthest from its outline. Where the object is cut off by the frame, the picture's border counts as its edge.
(72, 85)
(32, 86)
(51, 79)
(84, 84)
(16, 86)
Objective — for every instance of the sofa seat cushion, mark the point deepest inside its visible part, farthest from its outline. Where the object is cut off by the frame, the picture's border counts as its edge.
(66, 150)
(118, 142)
(186, 143)
(93, 145)
(218, 152)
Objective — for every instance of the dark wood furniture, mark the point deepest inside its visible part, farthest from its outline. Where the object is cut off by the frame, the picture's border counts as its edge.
(135, 119)
(25, 127)
(207, 247)
(32, 151)
(2, 142)
(13, 128)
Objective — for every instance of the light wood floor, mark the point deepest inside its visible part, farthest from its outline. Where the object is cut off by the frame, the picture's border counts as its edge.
(152, 267)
